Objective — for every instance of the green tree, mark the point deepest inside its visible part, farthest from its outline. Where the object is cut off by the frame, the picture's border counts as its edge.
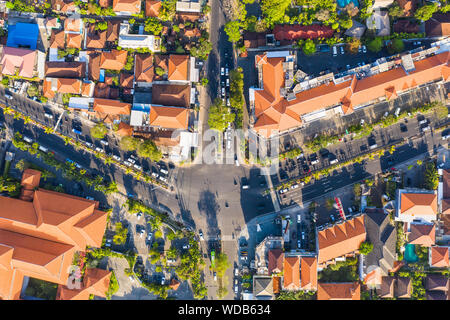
(102, 26)
(425, 12)
(202, 49)
(395, 46)
(431, 177)
(153, 25)
(5, 81)
(121, 234)
(221, 264)
(232, 30)
(365, 248)
(346, 23)
(99, 131)
(220, 116)
(148, 149)
(309, 47)
(396, 11)
(168, 10)
(128, 143)
(32, 90)
(375, 45)
(274, 10)
(160, 71)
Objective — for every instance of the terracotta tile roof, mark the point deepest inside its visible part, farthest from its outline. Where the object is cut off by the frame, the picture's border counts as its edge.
(339, 291)
(61, 69)
(178, 67)
(94, 65)
(188, 16)
(437, 282)
(73, 40)
(143, 68)
(73, 25)
(102, 90)
(57, 39)
(276, 284)
(445, 217)
(276, 258)
(341, 239)
(17, 58)
(408, 6)
(124, 129)
(43, 236)
(295, 32)
(169, 117)
(132, 6)
(438, 25)
(192, 33)
(171, 95)
(406, 26)
(174, 284)
(422, 234)
(273, 112)
(152, 8)
(112, 33)
(96, 282)
(114, 60)
(126, 80)
(61, 85)
(95, 38)
(104, 3)
(419, 204)
(87, 88)
(446, 184)
(109, 110)
(291, 273)
(439, 257)
(403, 287)
(308, 271)
(63, 5)
(387, 287)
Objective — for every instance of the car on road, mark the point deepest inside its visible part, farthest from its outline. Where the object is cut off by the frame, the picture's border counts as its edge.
(299, 244)
(48, 115)
(200, 234)
(332, 218)
(137, 167)
(43, 149)
(313, 159)
(303, 235)
(131, 160)
(164, 171)
(117, 158)
(8, 96)
(236, 272)
(76, 131)
(222, 71)
(228, 82)
(27, 139)
(403, 127)
(163, 279)
(342, 50)
(364, 49)
(141, 232)
(155, 175)
(139, 215)
(88, 144)
(424, 121)
(299, 218)
(226, 72)
(215, 276)
(245, 186)
(222, 92)
(131, 278)
(103, 142)
(99, 150)
(236, 288)
(427, 128)
(149, 237)
(334, 51)
(294, 186)
(163, 179)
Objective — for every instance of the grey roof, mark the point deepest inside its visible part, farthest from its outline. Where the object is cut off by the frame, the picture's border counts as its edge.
(387, 287)
(383, 236)
(403, 287)
(437, 295)
(263, 288)
(357, 30)
(436, 282)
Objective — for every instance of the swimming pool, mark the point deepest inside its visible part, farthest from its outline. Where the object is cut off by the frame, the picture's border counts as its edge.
(343, 3)
(410, 253)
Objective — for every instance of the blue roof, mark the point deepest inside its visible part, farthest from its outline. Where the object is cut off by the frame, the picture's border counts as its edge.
(23, 35)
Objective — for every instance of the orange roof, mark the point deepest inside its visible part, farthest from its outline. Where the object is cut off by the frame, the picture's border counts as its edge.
(132, 6)
(38, 238)
(169, 117)
(418, 204)
(276, 284)
(73, 40)
(126, 80)
(275, 257)
(61, 85)
(143, 68)
(172, 95)
(178, 67)
(439, 257)
(95, 38)
(308, 270)
(339, 291)
(152, 8)
(114, 60)
(341, 239)
(174, 284)
(62, 69)
(96, 282)
(57, 39)
(73, 25)
(291, 273)
(422, 234)
(124, 129)
(30, 181)
(87, 88)
(274, 112)
(64, 5)
(105, 108)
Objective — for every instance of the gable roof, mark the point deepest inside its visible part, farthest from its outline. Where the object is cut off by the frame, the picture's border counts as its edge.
(109, 107)
(387, 287)
(112, 33)
(438, 25)
(437, 282)
(95, 39)
(74, 25)
(57, 39)
(403, 287)
(437, 295)
(126, 80)
(63, 5)
(291, 273)
(62, 69)
(422, 234)
(339, 291)
(178, 67)
(308, 271)
(73, 40)
(408, 6)
(446, 184)
(341, 239)
(152, 8)
(275, 257)
(61, 85)
(169, 117)
(171, 95)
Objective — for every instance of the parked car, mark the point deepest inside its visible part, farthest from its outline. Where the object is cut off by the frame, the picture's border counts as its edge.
(313, 159)
(245, 186)
(200, 234)
(99, 150)
(294, 186)
(127, 163)
(364, 49)
(116, 157)
(76, 131)
(104, 142)
(48, 115)
(236, 272)
(222, 71)
(342, 50)
(299, 244)
(334, 51)
(226, 71)
(88, 144)
(215, 276)
(163, 179)
(8, 96)
(43, 149)
(131, 160)
(137, 167)
(299, 218)
(162, 170)
(27, 139)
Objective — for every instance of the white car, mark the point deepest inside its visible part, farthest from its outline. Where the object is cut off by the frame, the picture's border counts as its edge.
(423, 121)
(164, 171)
(139, 215)
(116, 157)
(149, 236)
(342, 50)
(426, 128)
(236, 288)
(131, 278)
(364, 49)
(226, 72)
(99, 150)
(103, 142)
(236, 272)
(27, 139)
(163, 179)
(127, 163)
(137, 167)
(131, 160)
(299, 218)
(222, 71)
(228, 82)
(88, 144)
(48, 115)
(141, 233)
(295, 186)
(155, 175)
(8, 96)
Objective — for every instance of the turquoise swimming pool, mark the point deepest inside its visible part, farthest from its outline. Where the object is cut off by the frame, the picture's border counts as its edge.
(343, 3)
(410, 253)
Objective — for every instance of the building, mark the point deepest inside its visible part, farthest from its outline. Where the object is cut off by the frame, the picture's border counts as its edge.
(379, 21)
(438, 257)
(356, 31)
(416, 205)
(126, 7)
(61, 85)
(423, 234)
(341, 240)
(188, 6)
(18, 61)
(135, 41)
(403, 287)
(437, 282)
(295, 31)
(270, 243)
(176, 95)
(152, 8)
(308, 273)
(263, 288)
(64, 6)
(276, 259)
(41, 231)
(386, 289)
(378, 4)
(383, 236)
(291, 273)
(438, 26)
(23, 35)
(62, 69)
(276, 107)
(408, 6)
(95, 282)
(339, 291)
(178, 68)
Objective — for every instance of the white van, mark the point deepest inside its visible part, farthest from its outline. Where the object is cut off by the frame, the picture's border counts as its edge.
(27, 139)
(43, 149)
(334, 51)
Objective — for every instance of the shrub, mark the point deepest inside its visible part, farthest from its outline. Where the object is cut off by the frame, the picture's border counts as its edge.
(365, 248)
(99, 131)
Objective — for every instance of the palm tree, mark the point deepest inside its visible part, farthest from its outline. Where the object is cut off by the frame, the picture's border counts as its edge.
(329, 203)
(67, 140)
(17, 115)
(48, 130)
(8, 110)
(108, 160)
(26, 119)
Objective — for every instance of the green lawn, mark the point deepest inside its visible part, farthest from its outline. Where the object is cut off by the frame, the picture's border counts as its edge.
(345, 271)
